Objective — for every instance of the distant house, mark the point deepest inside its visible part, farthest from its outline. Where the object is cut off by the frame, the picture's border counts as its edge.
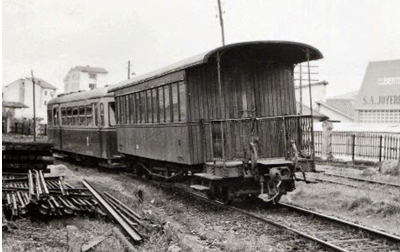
(339, 108)
(318, 92)
(13, 108)
(84, 78)
(21, 92)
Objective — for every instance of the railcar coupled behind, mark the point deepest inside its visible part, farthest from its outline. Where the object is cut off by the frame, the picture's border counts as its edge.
(227, 116)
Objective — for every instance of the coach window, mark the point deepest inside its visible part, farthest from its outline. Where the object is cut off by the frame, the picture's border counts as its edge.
(75, 115)
(167, 104)
(175, 102)
(182, 101)
(64, 119)
(142, 107)
(137, 107)
(149, 107)
(101, 114)
(122, 109)
(50, 117)
(56, 116)
(89, 115)
(161, 109)
(96, 114)
(69, 116)
(128, 111)
(154, 102)
(82, 115)
(111, 114)
(132, 106)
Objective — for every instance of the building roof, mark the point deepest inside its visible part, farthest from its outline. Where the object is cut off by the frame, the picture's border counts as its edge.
(11, 104)
(44, 84)
(328, 106)
(318, 83)
(346, 96)
(90, 69)
(292, 52)
(307, 111)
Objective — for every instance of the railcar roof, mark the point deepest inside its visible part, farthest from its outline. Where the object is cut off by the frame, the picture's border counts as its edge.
(293, 52)
(82, 95)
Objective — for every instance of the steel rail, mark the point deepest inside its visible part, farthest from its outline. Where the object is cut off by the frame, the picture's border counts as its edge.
(362, 180)
(348, 223)
(292, 230)
(128, 229)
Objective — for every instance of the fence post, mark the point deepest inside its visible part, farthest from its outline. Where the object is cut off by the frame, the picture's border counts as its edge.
(380, 148)
(353, 146)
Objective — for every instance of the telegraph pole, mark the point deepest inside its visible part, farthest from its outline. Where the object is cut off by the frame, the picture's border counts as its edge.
(221, 21)
(129, 69)
(34, 108)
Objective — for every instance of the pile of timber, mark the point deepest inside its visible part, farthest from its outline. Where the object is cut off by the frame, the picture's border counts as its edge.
(33, 194)
(19, 157)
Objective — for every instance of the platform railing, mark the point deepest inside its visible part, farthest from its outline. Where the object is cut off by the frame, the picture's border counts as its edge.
(271, 134)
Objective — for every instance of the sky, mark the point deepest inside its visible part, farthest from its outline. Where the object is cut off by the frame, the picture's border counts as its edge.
(51, 36)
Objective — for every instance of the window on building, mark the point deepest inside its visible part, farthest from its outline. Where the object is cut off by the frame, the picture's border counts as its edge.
(92, 76)
(111, 113)
(92, 86)
(45, 92)
(45, 103)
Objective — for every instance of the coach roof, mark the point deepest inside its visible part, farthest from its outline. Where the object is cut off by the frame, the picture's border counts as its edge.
(292, 52)
(81, 95)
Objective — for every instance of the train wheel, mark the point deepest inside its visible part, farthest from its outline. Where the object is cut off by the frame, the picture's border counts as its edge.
(223, 194)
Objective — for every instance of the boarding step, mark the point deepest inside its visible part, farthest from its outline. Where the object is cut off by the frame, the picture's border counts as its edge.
(200, 188)
(274, 162)
(207, 176)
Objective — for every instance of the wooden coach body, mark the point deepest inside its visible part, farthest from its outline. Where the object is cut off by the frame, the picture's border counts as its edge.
(83, 124)
(198, 110)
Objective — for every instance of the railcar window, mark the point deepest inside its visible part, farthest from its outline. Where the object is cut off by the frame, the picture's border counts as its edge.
(128, 112)
(75, 119)
(142, 107)
(96, 114)
(122, 107)
(69, 115)
(175, 103)
(56, 116)
(149, 107)
(64, 119)
(182, 101)
(101, 114)
(111, 114)
(50, 117)
(167, 103)
(82, 115)
(89, 115)
(138, 108)
(118, 110)
(132, 106)
(161, 109)
(155, 105)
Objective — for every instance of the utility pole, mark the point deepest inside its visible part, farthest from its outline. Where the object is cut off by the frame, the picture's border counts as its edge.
(129, 69)
(221, 21)
(34, 108)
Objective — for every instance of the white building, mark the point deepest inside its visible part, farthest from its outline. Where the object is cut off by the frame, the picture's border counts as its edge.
(21, 91)
(85, 78)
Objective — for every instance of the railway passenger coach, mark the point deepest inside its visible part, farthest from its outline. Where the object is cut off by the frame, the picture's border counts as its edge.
(228, 116)
(82, 125)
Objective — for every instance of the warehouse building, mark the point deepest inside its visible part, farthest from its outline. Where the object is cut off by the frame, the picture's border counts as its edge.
(379, 98)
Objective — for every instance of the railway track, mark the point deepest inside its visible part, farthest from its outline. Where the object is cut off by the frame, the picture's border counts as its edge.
(361, 180)
(329, 232)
